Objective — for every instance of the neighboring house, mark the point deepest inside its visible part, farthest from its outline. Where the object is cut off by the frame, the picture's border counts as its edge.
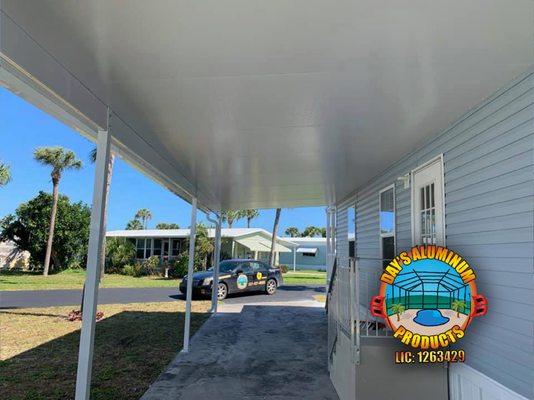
(235, 242)
(310, 253)
(13, 258)
(470, 188)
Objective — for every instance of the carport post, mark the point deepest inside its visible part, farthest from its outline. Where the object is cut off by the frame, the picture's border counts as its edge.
(190, 264)
(294, 258)
(94, 259)
(215, 283)
(328, 243)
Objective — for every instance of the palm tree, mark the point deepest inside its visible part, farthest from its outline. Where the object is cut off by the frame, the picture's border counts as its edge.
(250, 215)
(292, 232)
(231, 216)
(5, 174)
(144, 215)
(311, 231)
(398, 309)
(134, 225)
(323, 232)
(458, 305)
(59, 159)
(92, 157)
(167, 225)
(203, 244)
(275, 232)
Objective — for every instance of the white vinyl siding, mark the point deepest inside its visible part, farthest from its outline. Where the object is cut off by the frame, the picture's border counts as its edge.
(488, 161)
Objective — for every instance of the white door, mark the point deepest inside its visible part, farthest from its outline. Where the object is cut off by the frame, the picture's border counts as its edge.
(428, 224)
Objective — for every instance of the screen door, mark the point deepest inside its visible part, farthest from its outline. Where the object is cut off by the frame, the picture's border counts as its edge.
(428, 225)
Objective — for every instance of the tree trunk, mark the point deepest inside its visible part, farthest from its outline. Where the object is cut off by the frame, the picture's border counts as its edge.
(275, 233)
(398, 317)
(248, 222)
(108, 184)
(55, 195)
(230, 223)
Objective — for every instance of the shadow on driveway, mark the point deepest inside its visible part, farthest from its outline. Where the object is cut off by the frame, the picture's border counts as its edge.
(262, 352)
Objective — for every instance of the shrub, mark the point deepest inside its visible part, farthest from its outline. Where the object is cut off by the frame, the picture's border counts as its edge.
(119, 253)
(283, 268)
(132, 270)
(150, 266)
(178, 268)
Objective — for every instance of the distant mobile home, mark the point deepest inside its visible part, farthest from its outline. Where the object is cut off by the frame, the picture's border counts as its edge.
(310, 253)
(236, 243)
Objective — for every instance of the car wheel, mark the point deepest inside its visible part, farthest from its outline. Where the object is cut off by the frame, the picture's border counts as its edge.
(222, 291)
(270, 286)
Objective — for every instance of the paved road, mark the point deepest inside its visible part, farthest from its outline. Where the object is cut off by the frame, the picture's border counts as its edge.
(49, 298)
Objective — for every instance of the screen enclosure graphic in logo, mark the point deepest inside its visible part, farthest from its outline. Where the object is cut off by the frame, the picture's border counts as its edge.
(428, 297)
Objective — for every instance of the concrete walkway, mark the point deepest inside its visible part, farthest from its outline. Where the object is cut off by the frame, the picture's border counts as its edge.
(251, 352)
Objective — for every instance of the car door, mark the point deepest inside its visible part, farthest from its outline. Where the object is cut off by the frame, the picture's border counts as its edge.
(259, 275)
(244, 277)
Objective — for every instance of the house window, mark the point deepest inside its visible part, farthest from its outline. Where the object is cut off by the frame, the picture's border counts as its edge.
(140, 248)
(156, 251)
(428, 214)
(387, 224)
(175, 247)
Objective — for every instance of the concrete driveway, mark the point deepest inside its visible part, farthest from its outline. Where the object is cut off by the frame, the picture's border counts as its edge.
(51, 298)
(253, 351)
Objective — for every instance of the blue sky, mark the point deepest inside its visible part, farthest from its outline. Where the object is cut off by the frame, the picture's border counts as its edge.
(23, 127)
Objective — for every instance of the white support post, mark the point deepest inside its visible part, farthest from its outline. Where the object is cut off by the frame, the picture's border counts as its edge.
(294, 258)
(191, 261)
(328, 245)
(215, 283)
(94, 259)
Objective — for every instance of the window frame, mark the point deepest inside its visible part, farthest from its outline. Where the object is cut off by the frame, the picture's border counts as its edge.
(394, 231)
(440, 160)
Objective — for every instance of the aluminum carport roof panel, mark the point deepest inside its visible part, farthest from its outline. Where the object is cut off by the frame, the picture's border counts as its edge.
(251, 104)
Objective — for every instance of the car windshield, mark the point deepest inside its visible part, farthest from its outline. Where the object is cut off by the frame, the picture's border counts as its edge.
(228, 266)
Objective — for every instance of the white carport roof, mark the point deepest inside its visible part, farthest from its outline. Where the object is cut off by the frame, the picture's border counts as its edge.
(252, 104)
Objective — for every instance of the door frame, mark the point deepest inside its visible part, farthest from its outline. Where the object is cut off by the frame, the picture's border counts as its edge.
(412, 197)
(391, 186)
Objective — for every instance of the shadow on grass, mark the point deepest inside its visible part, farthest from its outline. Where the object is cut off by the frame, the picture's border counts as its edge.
(301, 288)
(131, 349)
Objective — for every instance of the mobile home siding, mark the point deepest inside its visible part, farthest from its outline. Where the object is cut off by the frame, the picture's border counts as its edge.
(317, 262)
(488, 160)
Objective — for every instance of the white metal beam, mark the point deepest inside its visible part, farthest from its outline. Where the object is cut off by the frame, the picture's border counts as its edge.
(215, 283)
(190, 265)
(96, 242)
(328, 244)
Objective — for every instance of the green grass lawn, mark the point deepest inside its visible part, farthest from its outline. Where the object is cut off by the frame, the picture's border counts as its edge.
(133, 345)
(74, 279)
(305, 277)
